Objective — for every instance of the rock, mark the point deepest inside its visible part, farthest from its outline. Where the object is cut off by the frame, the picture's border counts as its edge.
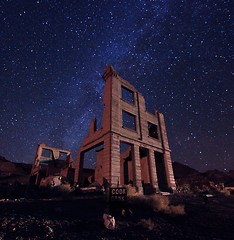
(109, 221)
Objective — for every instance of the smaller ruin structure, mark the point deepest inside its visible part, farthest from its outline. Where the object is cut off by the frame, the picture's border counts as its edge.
(52, 162)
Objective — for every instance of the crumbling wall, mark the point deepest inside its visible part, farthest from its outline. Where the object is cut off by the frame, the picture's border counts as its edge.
(50, 161)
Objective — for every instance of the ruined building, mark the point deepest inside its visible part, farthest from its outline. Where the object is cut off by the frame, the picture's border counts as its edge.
(132, 145)
(52, 162)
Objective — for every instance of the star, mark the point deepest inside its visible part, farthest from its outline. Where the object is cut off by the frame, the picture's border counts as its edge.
(176, 53)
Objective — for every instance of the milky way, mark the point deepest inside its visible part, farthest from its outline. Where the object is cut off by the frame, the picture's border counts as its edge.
(178, 54)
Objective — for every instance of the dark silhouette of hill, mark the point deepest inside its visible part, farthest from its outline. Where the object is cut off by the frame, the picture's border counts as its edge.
(183, 171)
(220, 177)
(185, 175)
(11, 172)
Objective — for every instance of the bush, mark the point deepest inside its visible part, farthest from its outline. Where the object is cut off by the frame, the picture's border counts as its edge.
(147, 223)
(131, 191)
(225, 192)
(177, 210)
(64, 188)
(158, 203)
(162, 204)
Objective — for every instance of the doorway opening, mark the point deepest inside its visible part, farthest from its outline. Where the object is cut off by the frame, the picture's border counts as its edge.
(161, 171)
(126, 163)
(91, 166)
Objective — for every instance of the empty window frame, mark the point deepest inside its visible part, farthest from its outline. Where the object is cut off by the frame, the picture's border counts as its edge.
(47, 153)
(127, 95)
(62, 155)
(128, 120)
(153, 130)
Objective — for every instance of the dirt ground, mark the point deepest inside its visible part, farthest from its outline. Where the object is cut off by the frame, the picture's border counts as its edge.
(81, 218)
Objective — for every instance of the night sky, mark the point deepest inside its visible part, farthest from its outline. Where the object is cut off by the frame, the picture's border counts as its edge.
(178, 54)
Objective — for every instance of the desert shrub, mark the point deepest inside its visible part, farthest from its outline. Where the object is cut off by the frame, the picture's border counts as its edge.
(158, 203)
(131, 191)
(162, 204)
(177, 210)
(147, 223)
(225, 192)
(64, 188)
(139, 201)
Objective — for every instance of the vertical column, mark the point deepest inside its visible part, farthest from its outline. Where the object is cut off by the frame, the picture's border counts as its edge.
(55, 153)
(79, 167)
(35, 168)
(115, 160)
(37, 182)
(166, 153)
(153, 170)
(106, 162)
(169, 170)
(121, 170)
(136, 168)
(39, 153)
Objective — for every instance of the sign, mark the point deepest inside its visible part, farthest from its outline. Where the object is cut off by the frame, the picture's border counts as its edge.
(118, 194)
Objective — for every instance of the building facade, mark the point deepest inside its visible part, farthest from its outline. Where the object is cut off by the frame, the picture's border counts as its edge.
(132, 143)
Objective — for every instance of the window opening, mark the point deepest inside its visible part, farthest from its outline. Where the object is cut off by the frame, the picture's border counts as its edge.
(92, 165)
(126, 163)
(153, 130)
(62, 155)
(128, 120)
(127, 95)
(46, 153)
(161, 171)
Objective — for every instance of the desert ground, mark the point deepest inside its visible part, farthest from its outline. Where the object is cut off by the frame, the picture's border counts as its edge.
(81, 218)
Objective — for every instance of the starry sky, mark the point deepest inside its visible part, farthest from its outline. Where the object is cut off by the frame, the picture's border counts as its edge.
(178, 54)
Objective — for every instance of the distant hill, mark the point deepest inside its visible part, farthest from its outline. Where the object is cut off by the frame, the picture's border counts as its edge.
(185, 176)
(11, 171)
(220, 177)
(183, 171)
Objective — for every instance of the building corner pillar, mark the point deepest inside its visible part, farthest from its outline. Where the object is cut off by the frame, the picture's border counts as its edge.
(137, 181)
(153, 170)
